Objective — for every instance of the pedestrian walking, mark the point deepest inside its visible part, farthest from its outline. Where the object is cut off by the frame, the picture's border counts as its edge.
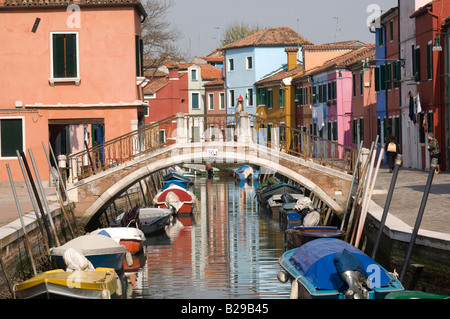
(433, 148)
(392, 151)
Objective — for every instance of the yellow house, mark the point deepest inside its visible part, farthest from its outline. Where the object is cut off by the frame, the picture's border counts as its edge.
(275, 97)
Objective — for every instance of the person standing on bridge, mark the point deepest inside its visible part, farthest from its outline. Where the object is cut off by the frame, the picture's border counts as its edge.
(433, 148)
(392, 151)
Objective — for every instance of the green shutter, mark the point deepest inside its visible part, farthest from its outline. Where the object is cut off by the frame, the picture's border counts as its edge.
(382, 77)
(58, 56)
(396, 74)
(11, 137)
(388, 76)
(71, 55)
(377, 79)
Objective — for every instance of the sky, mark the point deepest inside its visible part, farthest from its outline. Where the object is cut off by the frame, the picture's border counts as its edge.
(202, 23)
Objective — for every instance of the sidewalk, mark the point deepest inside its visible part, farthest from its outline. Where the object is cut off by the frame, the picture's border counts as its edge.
(408, 194)
(8, 206)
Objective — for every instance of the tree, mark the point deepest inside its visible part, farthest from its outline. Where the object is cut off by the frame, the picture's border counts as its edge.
(159, 35)
(234, 32)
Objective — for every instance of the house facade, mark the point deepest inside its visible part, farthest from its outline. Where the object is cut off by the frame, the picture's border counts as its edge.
(79, 81)
(248, 60)
(430, 72)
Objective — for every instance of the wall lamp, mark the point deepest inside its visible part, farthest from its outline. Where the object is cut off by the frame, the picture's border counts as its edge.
(437, 44)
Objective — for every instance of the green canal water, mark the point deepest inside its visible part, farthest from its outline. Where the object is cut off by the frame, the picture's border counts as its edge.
(227, 249)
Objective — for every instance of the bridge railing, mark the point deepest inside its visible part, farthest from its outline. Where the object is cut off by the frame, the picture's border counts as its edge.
(193, 128)
(303, 144)
(121, 149)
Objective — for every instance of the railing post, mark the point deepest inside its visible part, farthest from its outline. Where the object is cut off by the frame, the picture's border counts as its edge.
(181, 129)
(245, 134)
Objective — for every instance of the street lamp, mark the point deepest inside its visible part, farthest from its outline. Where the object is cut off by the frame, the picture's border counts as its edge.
(437, 44)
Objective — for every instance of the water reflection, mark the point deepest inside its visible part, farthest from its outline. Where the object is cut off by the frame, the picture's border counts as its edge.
(226, 250)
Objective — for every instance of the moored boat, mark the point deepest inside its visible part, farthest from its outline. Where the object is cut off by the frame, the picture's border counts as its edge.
(100, 250)
(130, 237)
(410, 294)
(173, 175)
(299, 235)
(154, 220)
(277, 201)
(331, 268)
(246, 173)
(264, 193)
(185, 197)
(101, 283)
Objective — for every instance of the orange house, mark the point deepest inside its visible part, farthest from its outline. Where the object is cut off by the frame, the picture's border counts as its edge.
(70, 73)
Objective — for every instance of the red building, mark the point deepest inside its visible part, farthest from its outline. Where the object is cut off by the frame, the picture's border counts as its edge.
(167, 95)
(429, 66)
(215, 105)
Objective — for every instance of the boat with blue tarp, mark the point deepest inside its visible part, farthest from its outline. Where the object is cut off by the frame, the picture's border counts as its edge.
(330, 268)
(246, 173)
(266, 191)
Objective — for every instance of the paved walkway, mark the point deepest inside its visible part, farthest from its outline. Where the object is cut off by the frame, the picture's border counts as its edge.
(405, 202)
(408, 194)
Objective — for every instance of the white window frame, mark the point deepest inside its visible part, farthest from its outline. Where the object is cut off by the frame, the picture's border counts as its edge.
(247, 64)
(192, 75)
(221, 101)
(52, 80)
(211, 101)
(231, 97)
(250, 97)
(231, 62)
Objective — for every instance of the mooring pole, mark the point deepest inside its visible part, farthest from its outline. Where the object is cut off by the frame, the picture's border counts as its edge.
(33, 203)
(398, 163)
(44, 199)
(38, 201)
(419, 218)
(25, 235)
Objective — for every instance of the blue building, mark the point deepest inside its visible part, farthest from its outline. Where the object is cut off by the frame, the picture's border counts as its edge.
(250, 59)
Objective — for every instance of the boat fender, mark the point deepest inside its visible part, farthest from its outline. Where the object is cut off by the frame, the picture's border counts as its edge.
(129, 259)
(106, 294)
(283, 277)
(119, 287)
(294, 290)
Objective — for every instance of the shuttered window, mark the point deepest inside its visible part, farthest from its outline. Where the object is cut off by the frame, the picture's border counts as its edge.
(64, 55)
(139, 50)
(11, 137)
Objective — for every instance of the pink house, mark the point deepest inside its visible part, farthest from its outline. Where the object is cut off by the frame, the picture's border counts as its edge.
(67, 66)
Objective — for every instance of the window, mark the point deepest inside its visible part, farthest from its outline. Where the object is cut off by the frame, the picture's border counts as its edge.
(230, 64)
(231, 96)
(249, 97)
(354, 84)
(139, 55)
(361, 84)
(396, 74)
(211, 132)
(194, 75)
(162, 136)
(377, 79)
(380, 36)
(222, 101)
(429, 61)
(417, 64)
(195, 101)
(281, 98)
(11, 136)
(388, 76)
(382, 77)
(361, 129)
(269, 101)
(391, 29)
(249, 63)
(261, 96)
(64, 55)
(210, 101)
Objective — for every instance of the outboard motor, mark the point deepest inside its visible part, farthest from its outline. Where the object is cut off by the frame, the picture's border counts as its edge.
(353, 273)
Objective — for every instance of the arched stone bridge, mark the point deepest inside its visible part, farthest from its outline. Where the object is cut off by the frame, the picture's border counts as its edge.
(98, 176)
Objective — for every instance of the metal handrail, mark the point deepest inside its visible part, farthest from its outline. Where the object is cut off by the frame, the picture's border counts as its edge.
(206, 128)
(121, 149)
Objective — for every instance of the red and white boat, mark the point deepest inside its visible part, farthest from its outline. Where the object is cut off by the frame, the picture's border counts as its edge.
(130, 237)
(180, 198)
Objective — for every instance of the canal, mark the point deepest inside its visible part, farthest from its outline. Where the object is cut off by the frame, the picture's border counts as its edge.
(227, 249)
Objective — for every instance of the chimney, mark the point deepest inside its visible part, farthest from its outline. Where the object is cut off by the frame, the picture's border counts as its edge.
(173, 72)
(291, 57)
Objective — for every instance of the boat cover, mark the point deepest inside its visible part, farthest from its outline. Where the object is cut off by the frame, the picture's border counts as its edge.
(177, 182)
(315, 261)
(90, 245)
(76, 261)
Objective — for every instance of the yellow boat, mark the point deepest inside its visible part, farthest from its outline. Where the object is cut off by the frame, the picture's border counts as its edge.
(101, 283)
